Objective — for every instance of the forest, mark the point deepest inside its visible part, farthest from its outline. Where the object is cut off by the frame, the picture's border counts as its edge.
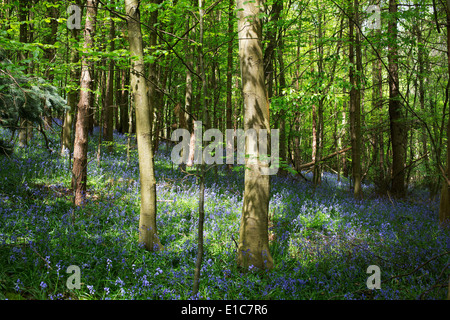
(224, 150)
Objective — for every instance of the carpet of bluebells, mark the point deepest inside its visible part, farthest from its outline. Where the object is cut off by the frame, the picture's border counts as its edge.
(321, 239)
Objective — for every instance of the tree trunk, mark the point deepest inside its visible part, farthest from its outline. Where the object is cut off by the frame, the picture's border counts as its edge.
(23, 37)
(229, 106)
(444, 208)
(377, 94)
(108, 105)
(152, 67)
(124, 103)
(355, 101)
(79, 171)
(317, 170)
(72, 96)
(201, 203)
(148, 233)
(278, 8)
(254, 242)
(397, 125)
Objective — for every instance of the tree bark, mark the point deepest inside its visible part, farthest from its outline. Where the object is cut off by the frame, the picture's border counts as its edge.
(201, 203)
(254, 242)
(355, 101)
(108, 106)
(72, 96)
(444, 207)
(23, 37)
(79, 171)
(229, 106)
(397, 125)
(148, 233)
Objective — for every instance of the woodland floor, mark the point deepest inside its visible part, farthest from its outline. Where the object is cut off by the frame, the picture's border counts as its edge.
(322, 240)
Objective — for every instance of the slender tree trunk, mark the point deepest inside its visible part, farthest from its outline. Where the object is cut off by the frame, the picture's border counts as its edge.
(269, 53)
(420, 77)
(229, 106)
(253, 243)
(282, 85)
(108, 105)
(152, 67)
(148, 233)
(188, 97)
(377, 96)
(317, 169)
(355, 102)
(50, 56)
(201, 203)
(72, 97)
(397, 125)
(278, 8)
(23, 37)
(79, 171)
(124, 101)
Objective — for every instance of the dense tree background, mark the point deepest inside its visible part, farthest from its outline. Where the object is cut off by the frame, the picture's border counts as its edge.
(309, 50)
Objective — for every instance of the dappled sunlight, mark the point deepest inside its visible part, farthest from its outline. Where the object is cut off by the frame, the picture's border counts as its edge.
(322, 240)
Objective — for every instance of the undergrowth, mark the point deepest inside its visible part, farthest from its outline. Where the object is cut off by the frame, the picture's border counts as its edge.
(322, 240)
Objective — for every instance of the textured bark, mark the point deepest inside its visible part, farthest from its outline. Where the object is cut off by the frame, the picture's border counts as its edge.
(79, 171)
(253, 243)
(148, 233)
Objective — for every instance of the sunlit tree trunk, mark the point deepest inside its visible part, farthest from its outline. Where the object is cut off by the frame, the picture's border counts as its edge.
(148, 233)
(253, 243)
(79, 171)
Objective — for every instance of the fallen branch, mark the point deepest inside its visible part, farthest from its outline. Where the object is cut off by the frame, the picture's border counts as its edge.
(312, 163)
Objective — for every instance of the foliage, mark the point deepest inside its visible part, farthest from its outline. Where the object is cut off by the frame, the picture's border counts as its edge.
(25, 97)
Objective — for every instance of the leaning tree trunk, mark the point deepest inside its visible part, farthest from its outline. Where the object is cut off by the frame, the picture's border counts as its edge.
(148, 233)
(79, 171)
(254, 242)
